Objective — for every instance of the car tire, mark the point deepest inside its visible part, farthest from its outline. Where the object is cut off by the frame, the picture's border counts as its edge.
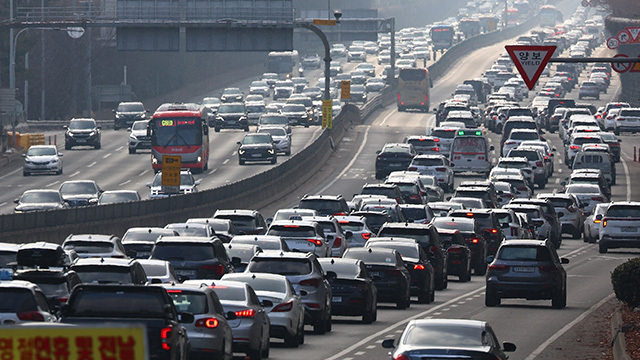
(329, 324)
(267, 350)
(255, 354)
(593, 240)
(424, 297)
(246, 129)
(368, 317)
(59, 172)
(216, 129)
(602, 248)
(542, 185)
(240, 162)
(292, 341)
(132, 150)
(301, 334)
(67, 146)
(320, 327)
(560, 301)
(25, 173)
(97, 146)
(491, 299)
(288, 152)
(274, 160)
(403, 303)
(616, 131)
(577, 234)
(480, 269)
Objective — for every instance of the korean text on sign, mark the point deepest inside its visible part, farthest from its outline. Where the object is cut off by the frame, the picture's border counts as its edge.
(72, 343)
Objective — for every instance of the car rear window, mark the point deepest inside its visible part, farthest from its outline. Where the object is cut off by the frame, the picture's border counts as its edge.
(280, 266)
(560, 202)
(352, 226)
(182, 251)
(423, 236)
(624, 211)
(524, 135)
(230, 293)
(530, 155)
(189, 301)
(7, 257)
(119, 303)
(262, 284)
(86, 247)
(16, 300)
(420, 144)
(97, 274)
(373, 257)
(634, 113)
(292, 231)
(414, 213)
(388, 192)
(323, 206)
(427, 162)
(446, 134)
(239, 221)
(524, 253)
(405, 251)
(344, 271)
(587, 140)
(444, 336)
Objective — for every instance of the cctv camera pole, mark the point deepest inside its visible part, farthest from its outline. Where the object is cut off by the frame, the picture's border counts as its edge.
(327, 56)
(391, 77)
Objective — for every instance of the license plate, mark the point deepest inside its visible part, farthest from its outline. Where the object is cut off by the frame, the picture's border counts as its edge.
(629, 229)
(336, 299)
(374, 274)
(143, 255)
(256, 155)
(523, 269)
(186, 272)
(81, 140)
(395, 164)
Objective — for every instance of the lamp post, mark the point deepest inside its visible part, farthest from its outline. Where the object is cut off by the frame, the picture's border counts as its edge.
(327, 57)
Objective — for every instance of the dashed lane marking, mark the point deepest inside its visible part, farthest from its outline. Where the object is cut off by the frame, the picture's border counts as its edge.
(212, 171)
(225, 162)
(119, 148)
(143, 172)
(74, 174)
(106, 155)
(92, 164)
(124, 183)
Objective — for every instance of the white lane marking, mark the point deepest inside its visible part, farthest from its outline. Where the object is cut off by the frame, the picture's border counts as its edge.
(627, 178)
(225, 162)
(559, 171)
(234, 153)
(353, 160)
(371, 347)
(566, 328)
(3, 203)
(360, 353)
(124, 183)
(430, 124)
(106, 155)
(557, 181)
(52, 184)
(74, 174)
(143, 172)
(120, 148)
(560, 161)
(386, 118)
(374, 336)
(212, 171)
(10, 173)
(92, 164)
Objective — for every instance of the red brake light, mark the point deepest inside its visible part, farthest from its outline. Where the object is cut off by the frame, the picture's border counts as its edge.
(539, 163)
(164, 335)
(494, 231)
(441, 169)
(412, 168)
(210, 323)
(470, 214)
(418, 267)
(498, 267)
(549, 268)
(337, 242)
(574, 147)
(398, 96)
(434, 249)
(454, 250)
(291, 226)
(30, 316)
(339, 214)
(284, 307)
(249, 313)
(218, 268)
(436, 140)
(597, 198)
(310, 282)
(400, 357)
(315, 242)
(174, 291)
(366, 236)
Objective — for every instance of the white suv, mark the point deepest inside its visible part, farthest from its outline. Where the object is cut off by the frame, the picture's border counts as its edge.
(620, 226)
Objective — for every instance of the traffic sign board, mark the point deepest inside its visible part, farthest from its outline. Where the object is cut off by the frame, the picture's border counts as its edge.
(624, 37)
(327, 114)
(530, 61)
(635, 33)
(621, 67)
(613, 43)
(324, 22)
(345, 89)
(171, 165)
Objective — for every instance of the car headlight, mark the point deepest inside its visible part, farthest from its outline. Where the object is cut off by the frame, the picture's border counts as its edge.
(241, 152)
(199, 158)
(55, 160)
(243, 118)
(154, 160)
(271, 151)
(219, 118)
(70, 134)
(133, 137)
(92, 133)
(304, 116)
(118, 116)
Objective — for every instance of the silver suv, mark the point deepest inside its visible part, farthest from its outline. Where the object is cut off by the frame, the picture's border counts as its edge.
(302, 235)
(307, 277)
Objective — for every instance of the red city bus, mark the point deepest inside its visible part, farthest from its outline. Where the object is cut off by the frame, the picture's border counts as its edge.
(180, 129)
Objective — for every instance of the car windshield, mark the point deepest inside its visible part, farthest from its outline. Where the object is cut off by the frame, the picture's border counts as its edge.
(379, 256)
(78, 188)
(139, 125)
(182, 251)
(82, 125)
(40, 151)
(423, 236)
(405, 251)
(292, 231)
(262, 284)
(40, 197)
(131, 107)
(97, 274)
(344, 271)
(280, 266)
(524, 253)
(255, 108)
(275, 120)
(108, 198)
(274, 131)
(231, 91)
(231, 109)
(13, 300)
(118, 303)
(257, 139)
(189, 301)
(88, 247)
(443, 336)
(259, 84)
(293, 108)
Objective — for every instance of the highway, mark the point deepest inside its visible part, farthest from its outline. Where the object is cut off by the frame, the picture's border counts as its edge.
(531, 325)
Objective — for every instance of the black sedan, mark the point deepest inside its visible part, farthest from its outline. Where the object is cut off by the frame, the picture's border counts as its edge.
(257, 147)
(393, 157)
(391, 277)
(417, 262)
(352, 290)
(448, 338)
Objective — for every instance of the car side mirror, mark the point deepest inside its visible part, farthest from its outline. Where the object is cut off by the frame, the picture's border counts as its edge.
(113, 111)
(378, 152)
(303, 292)
(564, 260)
(230, 315)
(508, 347)
(148, 184)
(16, 201)
(185, 317)
(132, 253)
(599, 217)
(490, 259)
(182, 278)
(619, 140)
(560, 214)
(331, 275)
(197, 182)
(505, 225)
(491, 148)
(266, 303)
(99, 127)
(239, 143)
(388, 344)
(236, 261)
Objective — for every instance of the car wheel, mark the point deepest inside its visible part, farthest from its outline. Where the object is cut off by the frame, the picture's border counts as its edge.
(440, 282)
(288, 152)
(25, 173)
(379, 176)
(560, 300)
(59, 172)
(132, 150)
(240, 161)
(266, 351)
(542, 184)
(320, 327)
(491, 299)
(480, 268)
(67, 146)
(616, 131)
(602, 248)
(301, 334)
(216, 129)
(97, 146)
(367, 318)
(577, 234)
(424, 297)
(274, 160)
(593, 239)
(403, 303)
(255, 354)
(246, 129)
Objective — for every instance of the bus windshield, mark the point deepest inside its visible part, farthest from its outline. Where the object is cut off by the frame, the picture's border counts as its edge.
(177, 132)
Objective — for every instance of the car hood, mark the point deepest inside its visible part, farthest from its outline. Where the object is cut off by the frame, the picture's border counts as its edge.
(80, 196)
(255, 146)
(224, 115)
(130, 113)
(42, 158)
(38, 206)
(139, 133)
(81, 131)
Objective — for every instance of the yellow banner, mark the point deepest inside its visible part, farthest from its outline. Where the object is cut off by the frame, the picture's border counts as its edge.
(171, 165)
(327, 114)
(72, 343)
(324, 22)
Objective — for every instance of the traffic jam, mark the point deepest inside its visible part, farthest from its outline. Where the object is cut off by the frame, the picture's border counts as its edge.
(466, 201)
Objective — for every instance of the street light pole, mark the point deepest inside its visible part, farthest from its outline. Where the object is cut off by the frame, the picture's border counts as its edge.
(327, 57)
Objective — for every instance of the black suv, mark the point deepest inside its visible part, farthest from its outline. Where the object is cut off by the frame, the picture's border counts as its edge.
(393, 157)
(325, 204)
(489, 224)
(231, 116)
(257, 147)
(194, 257)
(82, 132)
(127, 113)
(428, 238)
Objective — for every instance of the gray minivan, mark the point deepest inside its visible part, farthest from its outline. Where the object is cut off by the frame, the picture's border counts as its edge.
(596, 160)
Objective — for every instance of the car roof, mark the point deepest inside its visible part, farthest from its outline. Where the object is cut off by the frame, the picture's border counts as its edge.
(243, 212)
(91, 237)
(303, 222)
(284, 254)
(9, 247)
(186, 239)
(103, 261)
(18, 284)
